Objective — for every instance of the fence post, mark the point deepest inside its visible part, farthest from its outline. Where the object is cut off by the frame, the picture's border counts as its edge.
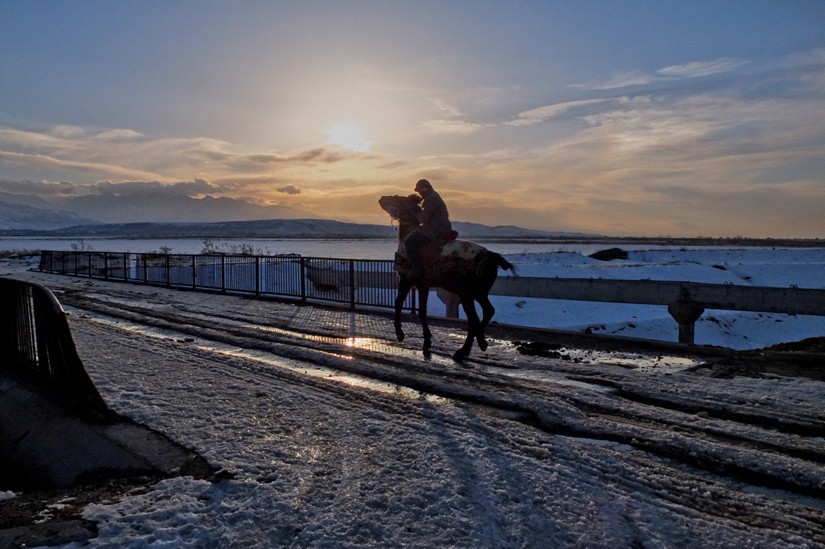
(303, 280)
(257, 275)
(352, 283)
(223, 273)
(686, 314)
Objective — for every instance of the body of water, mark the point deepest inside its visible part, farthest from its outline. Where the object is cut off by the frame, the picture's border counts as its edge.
(328, 248)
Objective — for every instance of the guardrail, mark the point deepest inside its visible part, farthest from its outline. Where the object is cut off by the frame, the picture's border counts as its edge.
(36, 343)
(373, 283)
(685, 301)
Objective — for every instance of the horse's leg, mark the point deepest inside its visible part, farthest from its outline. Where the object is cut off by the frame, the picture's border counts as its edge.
(404, 286)
(468, 304)
(423, 298)
(487, 315)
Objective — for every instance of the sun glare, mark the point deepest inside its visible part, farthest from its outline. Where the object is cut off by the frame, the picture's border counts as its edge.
(348, 136)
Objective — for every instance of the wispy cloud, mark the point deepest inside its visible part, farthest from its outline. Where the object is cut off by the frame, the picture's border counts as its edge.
(541, 114)
(694, 69)
(443, 108)
(452, 126)
(98, 168)
(621, 80)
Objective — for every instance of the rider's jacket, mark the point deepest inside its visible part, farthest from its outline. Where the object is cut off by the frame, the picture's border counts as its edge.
(435, 219)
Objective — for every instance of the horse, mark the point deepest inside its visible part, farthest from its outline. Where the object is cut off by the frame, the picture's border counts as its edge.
(458, 266)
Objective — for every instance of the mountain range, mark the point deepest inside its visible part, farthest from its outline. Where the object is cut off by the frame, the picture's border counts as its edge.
(186, 217)
(29, 212)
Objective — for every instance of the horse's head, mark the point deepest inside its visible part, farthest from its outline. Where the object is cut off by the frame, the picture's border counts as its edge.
(405, 209)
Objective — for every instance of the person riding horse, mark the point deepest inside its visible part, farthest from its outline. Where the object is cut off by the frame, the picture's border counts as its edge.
(460, 267)
(434, 225)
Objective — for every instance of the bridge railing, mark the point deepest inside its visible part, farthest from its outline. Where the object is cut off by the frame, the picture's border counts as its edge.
(36, 344)
(355, 282)
(373, 283)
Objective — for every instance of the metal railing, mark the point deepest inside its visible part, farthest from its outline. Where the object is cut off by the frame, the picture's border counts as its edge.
(36, 343)
(357, 282)
(373, 283)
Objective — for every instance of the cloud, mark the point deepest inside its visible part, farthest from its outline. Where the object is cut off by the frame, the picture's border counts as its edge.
(50, 162)
(155, 188)
(621, 80)
(541, 114)
(452, 126)
(694, 69)
(324, 155)
(43, 189)
(445, 109)
(289, 189)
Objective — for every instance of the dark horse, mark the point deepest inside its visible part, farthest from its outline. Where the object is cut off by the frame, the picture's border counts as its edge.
(463, 268)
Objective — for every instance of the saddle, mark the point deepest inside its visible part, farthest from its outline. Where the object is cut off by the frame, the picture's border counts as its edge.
(430, 253)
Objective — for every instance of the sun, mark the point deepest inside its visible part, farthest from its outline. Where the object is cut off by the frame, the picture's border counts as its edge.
(348, 136)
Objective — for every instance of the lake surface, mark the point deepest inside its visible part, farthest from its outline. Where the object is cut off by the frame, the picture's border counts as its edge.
(334, 248)
(327, 248)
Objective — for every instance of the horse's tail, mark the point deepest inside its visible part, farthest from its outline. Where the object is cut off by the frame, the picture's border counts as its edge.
(506, 265)
(494, 260)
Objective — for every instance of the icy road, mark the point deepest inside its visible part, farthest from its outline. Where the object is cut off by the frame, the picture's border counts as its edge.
(332, 434)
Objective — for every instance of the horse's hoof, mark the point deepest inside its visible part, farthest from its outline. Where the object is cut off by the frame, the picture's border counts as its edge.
(482, 344)
(399, 335)
(459, 355)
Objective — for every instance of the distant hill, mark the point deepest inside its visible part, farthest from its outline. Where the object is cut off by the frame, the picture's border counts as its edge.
(29, 212)
(164, 216)
(19, 216)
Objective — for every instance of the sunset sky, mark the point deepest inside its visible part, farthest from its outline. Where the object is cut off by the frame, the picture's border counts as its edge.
(693, 118)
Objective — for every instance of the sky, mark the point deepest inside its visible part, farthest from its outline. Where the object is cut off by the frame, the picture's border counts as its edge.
(644, 118)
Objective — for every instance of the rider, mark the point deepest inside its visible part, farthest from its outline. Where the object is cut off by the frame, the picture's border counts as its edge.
(434, 223)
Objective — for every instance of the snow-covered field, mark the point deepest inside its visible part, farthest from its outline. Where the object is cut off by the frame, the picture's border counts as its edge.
(783, 268)
(332, 434)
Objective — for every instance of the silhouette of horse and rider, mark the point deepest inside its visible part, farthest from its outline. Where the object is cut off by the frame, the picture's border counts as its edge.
(430, 256)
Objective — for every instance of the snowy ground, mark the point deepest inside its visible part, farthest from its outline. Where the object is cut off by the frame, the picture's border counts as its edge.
(334, 435)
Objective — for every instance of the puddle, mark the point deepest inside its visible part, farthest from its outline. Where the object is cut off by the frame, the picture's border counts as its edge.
(352, 342)
(329, 374)
(296, 366)
(660, 363)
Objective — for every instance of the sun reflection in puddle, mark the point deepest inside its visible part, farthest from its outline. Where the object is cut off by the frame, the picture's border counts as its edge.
(650, 362)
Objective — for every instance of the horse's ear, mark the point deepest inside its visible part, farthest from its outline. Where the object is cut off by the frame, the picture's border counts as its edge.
(415, 199)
